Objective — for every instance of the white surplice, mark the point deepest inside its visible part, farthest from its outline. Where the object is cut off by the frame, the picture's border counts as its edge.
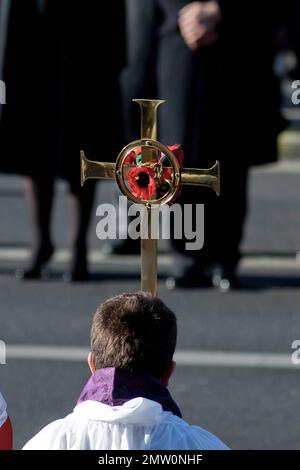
(3, 412)
(139, 424)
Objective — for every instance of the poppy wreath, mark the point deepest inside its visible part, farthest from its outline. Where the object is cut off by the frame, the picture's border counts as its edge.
(151, 180)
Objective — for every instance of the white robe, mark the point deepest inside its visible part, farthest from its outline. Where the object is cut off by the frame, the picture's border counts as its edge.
(3, 412)
(139, 424)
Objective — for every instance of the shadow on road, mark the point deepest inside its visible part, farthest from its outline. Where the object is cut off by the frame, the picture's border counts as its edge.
(256, 282)
(246, 282)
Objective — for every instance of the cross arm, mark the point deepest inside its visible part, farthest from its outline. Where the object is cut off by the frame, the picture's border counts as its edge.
(96, 170)
(202, 177)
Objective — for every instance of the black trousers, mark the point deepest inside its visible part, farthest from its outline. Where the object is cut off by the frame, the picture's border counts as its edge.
(224, 218)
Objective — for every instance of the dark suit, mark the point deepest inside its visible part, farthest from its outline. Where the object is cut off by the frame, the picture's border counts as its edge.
(61, 66)
(222, 103)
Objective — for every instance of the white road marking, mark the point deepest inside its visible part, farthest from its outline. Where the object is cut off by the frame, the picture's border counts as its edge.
(165, 260)
(50, 353)
(182, 358)
(234, 359)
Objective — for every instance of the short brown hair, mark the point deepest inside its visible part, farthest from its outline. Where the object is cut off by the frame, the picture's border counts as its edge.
(135, 332)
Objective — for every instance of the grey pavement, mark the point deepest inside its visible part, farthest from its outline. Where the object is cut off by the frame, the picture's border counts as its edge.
(248, 407)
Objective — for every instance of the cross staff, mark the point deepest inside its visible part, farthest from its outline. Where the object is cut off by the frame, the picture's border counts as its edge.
(119, 171)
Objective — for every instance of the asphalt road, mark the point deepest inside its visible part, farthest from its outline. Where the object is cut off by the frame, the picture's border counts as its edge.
(250, 406)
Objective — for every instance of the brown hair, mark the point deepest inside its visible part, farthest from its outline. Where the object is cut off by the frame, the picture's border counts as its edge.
(135, 332)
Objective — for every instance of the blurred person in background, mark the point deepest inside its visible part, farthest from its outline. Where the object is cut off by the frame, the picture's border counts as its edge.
(293, 33)
(6, 433)
(212, 61)
(61, 63)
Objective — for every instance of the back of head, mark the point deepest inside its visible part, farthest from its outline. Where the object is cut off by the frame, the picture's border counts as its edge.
(135, 332)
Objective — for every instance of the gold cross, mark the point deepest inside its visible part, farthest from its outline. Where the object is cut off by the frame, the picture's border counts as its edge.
(150, 148)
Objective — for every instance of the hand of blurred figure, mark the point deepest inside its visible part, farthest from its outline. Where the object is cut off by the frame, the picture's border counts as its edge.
(198, 23)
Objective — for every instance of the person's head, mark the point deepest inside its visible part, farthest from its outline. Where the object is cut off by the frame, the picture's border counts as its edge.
(135, 332)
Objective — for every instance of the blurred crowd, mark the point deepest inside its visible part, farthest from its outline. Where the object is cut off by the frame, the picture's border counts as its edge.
(71, 71)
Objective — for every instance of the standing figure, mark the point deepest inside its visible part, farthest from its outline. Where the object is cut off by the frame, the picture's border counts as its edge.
(6, 434)
(212, 62)
(61, 64)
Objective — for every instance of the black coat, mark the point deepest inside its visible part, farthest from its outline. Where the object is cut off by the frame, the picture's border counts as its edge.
(222, 101)
(61, 67)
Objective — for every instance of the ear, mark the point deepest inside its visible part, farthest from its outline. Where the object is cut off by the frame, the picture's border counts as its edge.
(91, 363)
(166, 377)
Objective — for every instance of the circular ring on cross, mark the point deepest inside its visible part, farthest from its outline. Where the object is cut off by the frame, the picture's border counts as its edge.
(147, 172)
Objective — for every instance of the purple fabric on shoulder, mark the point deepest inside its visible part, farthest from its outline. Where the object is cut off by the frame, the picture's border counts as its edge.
(114, 387)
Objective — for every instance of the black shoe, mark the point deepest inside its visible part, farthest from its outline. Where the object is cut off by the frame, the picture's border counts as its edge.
(76, 276)
(192, 277)
(79, 269)
(37, 269)
(225, 279)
